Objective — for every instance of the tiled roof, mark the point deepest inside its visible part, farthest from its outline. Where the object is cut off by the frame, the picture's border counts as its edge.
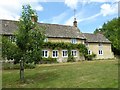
(96, 38)
(7, 26)
(52, 30)
(55, 30)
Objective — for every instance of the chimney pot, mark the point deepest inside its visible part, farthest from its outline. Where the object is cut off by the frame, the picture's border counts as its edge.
(33, 18)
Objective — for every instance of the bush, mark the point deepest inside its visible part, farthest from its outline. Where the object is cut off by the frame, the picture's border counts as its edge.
(10, 66)
(48, 60)
(71, 59)
(90, 57)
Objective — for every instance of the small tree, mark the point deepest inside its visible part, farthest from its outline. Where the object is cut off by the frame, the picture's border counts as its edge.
(29, 40)
(10, 50)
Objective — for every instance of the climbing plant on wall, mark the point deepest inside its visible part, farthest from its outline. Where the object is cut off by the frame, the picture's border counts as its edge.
(69, 46)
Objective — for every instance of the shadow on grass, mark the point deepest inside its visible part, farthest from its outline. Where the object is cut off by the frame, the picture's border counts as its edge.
(40, 77)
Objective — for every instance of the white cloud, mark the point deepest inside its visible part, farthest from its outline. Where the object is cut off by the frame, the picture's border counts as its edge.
(71, 3)
(103, 0)
(107, 9)
(70, 21)
(99, 1)
(12, 9)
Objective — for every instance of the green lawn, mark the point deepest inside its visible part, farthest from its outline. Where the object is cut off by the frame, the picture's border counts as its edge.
(85, 74)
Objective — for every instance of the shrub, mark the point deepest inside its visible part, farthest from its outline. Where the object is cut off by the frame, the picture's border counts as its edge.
(10, 66)
(71, 59)
(90, 57)
(48, 60)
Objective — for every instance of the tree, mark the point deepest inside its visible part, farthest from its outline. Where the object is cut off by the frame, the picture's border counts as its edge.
(111, 30)
(10, 50)
(29, 40)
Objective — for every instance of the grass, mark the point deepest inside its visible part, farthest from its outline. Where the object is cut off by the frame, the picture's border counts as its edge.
(85, 74)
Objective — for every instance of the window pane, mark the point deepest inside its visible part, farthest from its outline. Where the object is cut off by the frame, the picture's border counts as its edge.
(74, 53)
(73, 41)
(45, 53)
(56, 53)
(65, 53)
(53, 53)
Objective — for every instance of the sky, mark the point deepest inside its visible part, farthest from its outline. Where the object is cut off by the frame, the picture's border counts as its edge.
(90, 14)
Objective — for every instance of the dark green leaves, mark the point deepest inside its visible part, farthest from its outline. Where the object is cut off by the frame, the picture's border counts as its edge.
(111, 30)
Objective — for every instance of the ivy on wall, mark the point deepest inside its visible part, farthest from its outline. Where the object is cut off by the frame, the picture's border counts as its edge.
(69, 46)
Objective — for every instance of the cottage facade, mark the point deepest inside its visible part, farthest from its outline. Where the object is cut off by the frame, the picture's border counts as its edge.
(96, 43)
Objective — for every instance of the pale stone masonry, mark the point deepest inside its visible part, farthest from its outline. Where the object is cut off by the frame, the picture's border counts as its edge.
(96, 43)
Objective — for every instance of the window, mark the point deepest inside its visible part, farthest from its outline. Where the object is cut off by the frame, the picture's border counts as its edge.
(55, 53)
(73, 41)
(46, 40)
(89, 52)
(64, 53)
(100, 44)
(12, 38)
(45, 53)
(74, 53)
(87, 44)
(100, 52)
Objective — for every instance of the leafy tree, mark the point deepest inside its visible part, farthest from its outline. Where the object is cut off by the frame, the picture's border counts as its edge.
(29, 40)
(10, 50)
(29, 37)
(111, 30)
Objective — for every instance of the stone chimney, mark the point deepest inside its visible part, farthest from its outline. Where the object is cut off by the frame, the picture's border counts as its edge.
(33, 18)
(75, 23)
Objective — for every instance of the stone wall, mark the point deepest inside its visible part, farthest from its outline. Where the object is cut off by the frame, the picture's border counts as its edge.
(106, 47)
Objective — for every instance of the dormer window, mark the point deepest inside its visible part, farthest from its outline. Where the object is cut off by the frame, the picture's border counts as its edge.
(73, 41)
(87, 44)
(100, 44)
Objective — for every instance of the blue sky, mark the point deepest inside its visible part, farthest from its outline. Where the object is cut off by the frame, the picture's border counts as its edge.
(90, 14)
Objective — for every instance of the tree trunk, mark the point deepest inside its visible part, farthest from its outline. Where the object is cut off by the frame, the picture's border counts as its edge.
(22, 70)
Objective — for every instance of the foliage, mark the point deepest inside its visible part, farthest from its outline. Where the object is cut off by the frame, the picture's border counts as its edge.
(29, 37)
(10, 50)
(29, 40)
(48, 60)
(90, 56)
(61, 45)
(69, 46)
(111, 30)
(71, 59)
(11, 66)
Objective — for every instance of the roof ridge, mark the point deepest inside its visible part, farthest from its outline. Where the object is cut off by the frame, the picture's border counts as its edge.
(55, 24)
(38, 22)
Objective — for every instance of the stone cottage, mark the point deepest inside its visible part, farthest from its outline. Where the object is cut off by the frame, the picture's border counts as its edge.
(96, 43)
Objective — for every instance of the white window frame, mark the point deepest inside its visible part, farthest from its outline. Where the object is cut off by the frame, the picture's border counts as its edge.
(63, 54)
(73, 40)
(100, 52)
(56, 55)
(44, 53)
(73, 53)
(89, 52)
